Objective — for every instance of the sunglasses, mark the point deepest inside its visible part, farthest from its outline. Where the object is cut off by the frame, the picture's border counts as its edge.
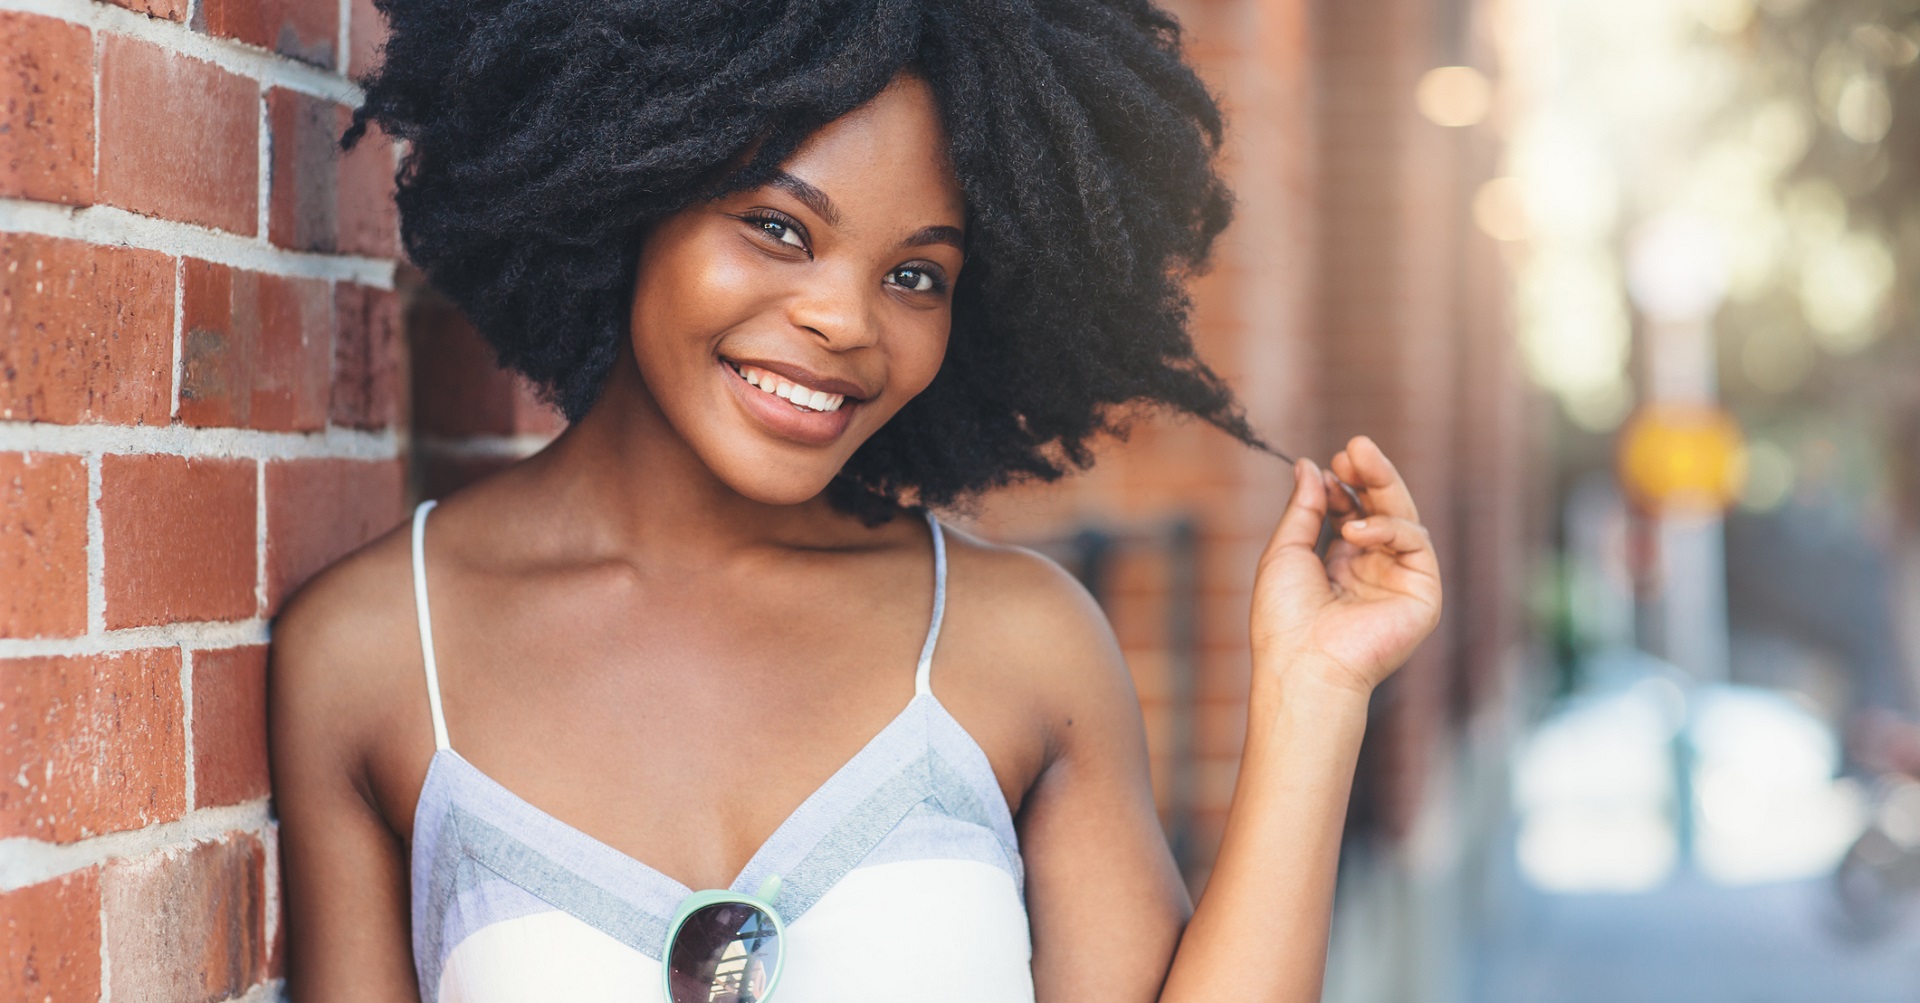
(725, 947)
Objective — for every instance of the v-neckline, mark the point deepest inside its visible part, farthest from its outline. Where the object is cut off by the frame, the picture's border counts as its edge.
(755, 862)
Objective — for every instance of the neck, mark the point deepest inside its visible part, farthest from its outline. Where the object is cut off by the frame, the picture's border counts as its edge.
(622, 479)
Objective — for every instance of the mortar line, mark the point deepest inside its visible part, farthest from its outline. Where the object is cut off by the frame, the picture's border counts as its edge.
(104, 224)
(183, 440)
(179, 332)
(25, 862)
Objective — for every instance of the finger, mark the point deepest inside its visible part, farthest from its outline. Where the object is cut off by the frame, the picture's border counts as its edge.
(1306, 510)
(1381, 484)
(1343, 499)
(1385, 532)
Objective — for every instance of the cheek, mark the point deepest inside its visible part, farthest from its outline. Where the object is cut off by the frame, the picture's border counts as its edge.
(688, 294)
(922, 355)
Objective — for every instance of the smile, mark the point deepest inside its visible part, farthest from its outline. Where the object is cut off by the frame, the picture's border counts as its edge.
(803, 397)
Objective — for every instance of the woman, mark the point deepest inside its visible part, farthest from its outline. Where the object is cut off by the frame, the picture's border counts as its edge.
(797, 273)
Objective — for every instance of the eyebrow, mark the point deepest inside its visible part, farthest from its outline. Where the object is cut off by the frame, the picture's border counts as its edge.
(938, 235)
(817, 200)
(809, 196)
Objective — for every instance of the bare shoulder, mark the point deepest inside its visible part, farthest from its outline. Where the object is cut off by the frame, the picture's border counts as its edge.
(1034, 637)
(1034, 610)
(343, 666)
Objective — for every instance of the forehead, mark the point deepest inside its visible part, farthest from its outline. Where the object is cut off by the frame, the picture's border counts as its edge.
(886, 158)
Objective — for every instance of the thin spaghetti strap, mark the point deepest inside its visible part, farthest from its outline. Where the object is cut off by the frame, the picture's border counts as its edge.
(923, 674)
(426, 622)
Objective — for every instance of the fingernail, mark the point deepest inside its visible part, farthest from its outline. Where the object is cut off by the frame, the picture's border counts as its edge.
(1358, 524)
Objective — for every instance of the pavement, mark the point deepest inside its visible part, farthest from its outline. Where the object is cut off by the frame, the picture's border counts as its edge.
(1689, 941)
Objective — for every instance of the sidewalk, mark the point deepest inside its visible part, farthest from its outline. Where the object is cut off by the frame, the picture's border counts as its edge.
(1690, 941)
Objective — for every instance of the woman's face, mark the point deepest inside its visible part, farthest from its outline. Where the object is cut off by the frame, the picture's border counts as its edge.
(778, 328)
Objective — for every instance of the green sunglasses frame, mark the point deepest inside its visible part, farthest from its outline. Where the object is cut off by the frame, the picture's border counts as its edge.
(761, 900)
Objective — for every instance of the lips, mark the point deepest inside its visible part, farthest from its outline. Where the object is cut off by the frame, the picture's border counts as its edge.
(793, 415)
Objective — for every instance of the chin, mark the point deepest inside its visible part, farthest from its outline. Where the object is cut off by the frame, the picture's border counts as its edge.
(770, 488)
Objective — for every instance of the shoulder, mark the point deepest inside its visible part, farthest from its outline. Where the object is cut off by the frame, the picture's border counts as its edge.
(344, 663)
(1036, 633)
(1026, 596)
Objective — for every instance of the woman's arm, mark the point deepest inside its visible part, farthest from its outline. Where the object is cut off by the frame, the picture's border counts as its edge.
(1104, 900)
(345, 869)
(1324, 635)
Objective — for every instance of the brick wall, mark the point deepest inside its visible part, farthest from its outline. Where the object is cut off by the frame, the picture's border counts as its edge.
(199, 387)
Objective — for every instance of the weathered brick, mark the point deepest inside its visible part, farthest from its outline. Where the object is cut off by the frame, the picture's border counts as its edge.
(172, 10)
(366, 356)
(86, 332)
(43, 545)
(52, 940)
(465, 392)
(369, 219)
(179, 538)
(303, 209)
(102, 738)
(319, 510)
(46, 109)
(323, 199)
(366, 33)
(179, 137)
(256, 349)
(307, 30)
(229, 725)
(187, 926)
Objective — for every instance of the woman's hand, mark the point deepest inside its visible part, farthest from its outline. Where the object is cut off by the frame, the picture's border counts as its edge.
(1354, 618)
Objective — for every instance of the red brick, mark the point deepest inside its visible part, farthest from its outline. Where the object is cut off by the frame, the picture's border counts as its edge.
(102, 738)
(179, 538)
(43, 545)
(322, 199)
(366, 356)
(229, 725)
(46, 109)
(187, 926)
(319, 510)
(369, 220)
(86, 332)
(256, 349)
(52, 938)
(307, 30)
(366, 33)
(465, 392)
(172, 10)
(303, 210)
(179, 137)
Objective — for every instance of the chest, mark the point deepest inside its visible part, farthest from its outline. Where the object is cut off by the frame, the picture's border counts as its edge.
(682, 723)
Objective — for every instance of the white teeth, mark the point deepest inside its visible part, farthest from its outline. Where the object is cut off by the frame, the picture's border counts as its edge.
(806, 397)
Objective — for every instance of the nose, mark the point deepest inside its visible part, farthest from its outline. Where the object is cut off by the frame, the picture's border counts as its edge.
(836, 305)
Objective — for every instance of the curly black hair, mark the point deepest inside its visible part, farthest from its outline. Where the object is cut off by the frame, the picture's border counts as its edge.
(545, 136)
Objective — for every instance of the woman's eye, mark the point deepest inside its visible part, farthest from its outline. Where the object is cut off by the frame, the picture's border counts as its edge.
(915, 280)
(781, 233)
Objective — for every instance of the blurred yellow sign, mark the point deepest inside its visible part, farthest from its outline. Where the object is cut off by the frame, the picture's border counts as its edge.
(1682, 459)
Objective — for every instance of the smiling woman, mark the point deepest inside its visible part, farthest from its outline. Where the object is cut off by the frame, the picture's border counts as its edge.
(793, 271)
(549, 138)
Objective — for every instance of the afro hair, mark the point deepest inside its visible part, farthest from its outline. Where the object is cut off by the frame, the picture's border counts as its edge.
(545, 136)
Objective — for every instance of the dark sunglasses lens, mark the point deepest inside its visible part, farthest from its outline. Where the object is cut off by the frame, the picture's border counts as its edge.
(723, 953)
